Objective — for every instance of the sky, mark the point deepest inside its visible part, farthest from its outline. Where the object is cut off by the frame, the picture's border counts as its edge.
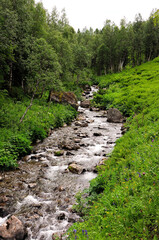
(93, 13)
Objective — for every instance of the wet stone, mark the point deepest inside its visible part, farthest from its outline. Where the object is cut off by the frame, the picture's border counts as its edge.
(76, 168)
(97, 134)
(61, 216)
(3, 212)
(32, 185)
(59, 153)
(110, 142)
(77, 140)
(68, 153)
(81, 124)
(12, 229)
(82, 135)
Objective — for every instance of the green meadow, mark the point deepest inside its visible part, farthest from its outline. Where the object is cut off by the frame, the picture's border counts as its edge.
(123, 201)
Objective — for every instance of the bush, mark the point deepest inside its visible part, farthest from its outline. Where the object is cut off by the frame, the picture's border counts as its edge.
(37, 133)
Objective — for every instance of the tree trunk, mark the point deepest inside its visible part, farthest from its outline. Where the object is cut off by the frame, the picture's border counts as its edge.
(31, 102)
(10, 76)
(121, 63)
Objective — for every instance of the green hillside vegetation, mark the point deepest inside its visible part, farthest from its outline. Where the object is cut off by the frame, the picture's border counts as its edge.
(122, 202)
(16, 138)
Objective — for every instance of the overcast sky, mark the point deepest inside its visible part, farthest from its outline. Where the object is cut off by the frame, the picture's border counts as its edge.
(93, 13)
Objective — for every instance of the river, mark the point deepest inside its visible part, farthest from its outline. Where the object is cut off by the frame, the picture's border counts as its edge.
(41, 192)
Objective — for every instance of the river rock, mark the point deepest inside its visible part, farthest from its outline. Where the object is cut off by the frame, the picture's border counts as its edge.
(32, 185)
(59, 153)
(87, 92)
(124, 130)
(82, 135)
(12, 229)
(75, 168)
(94, 109)
(81, 117)
(77, 140)
(87, 87)
(61, 216)
(81, 124)
(114, 116)
(68, 146)
(63, 97)
(3, 211)
(97, 134)
(85, 104)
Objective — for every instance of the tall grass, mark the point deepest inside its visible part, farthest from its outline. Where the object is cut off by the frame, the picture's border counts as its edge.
(123, 200)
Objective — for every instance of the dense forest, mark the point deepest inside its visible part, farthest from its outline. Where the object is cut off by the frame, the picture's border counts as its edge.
(41, 51)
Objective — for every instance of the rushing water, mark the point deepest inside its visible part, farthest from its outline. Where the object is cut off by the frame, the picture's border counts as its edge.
(42, 191)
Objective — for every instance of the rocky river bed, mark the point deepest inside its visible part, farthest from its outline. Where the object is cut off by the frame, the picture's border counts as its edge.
(41, 192)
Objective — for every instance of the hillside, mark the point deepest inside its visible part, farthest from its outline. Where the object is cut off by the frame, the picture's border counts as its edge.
(122, 202)
(16, 138)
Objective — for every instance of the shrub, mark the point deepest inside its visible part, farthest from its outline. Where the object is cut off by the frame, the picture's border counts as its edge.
(37, 133)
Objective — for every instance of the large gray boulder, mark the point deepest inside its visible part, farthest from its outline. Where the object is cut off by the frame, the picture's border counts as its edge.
(75, 168)
(63, 97)
(85, 104)
(12, 229)
(114, 116)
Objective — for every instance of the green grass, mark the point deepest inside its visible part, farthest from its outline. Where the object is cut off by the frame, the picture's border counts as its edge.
(15, 138)
(123, 201)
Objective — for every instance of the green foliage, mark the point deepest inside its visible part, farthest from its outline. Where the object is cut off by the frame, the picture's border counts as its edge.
(37, 133)
(16, 138)
(123, 200)
(130, 91)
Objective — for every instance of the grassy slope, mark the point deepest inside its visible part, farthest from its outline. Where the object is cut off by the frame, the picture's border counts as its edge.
(123, 200)
(15, 138)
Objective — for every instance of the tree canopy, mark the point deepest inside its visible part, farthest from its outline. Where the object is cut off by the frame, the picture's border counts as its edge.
(38, 46)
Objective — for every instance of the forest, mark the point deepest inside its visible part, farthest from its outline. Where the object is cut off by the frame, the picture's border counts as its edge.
(39, 52)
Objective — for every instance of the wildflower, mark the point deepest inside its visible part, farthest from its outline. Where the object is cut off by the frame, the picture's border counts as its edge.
(126, 179)
(129, 178)
(75, 237)
(153, 140)
(74, 230)
(137, 152)
(82, 231)
(86, 232)
(143, 173)
(139, 174)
